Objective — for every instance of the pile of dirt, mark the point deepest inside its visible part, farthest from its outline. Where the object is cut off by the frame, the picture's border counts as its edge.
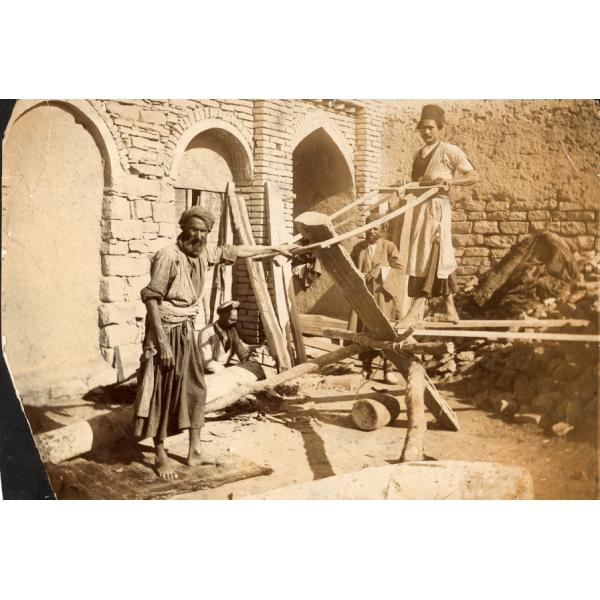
(553, 384)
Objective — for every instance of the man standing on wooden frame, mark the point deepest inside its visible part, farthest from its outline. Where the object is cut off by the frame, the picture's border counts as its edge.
(431, 260)
(172, 392)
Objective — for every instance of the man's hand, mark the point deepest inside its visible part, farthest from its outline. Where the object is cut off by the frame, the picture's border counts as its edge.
(373, 274)
(442, 182)
(167, 358)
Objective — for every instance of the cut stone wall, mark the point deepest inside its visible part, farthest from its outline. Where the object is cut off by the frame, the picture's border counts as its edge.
(538, 162)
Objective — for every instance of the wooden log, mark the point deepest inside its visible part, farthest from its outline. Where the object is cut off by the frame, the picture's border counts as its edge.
(404, 300)
(317, 227)
(316, 324)
(369, 414)
(336, 239)
(275, 338)
(311, 366)
(414, 443)
(510, 335)
(81, 437)
(438, 480)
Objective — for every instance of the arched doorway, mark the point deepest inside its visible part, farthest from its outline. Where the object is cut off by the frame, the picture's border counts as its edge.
(53, 186)
(322, 182)
(211, 157)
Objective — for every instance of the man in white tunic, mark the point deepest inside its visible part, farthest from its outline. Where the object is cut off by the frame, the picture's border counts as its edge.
(431, 261)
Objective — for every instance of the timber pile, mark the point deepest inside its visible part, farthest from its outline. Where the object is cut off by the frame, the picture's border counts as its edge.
(552, 384)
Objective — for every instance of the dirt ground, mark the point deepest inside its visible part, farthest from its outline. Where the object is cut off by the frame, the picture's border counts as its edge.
(314, 437)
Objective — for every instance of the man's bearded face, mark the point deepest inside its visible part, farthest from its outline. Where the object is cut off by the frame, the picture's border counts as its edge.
(193, 236)
(228, 319)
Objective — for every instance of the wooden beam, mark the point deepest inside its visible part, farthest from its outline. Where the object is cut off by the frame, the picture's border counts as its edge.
(275, 338)
(509, 335)
(512, 323)
(317, 227)
(282, 269)
(336, 239)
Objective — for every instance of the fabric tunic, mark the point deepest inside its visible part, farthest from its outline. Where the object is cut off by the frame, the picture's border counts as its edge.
(432, 220)
(169, 401)
(386, 288)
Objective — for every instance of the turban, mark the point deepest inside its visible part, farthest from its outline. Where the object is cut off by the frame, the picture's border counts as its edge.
(201, 213)
(433, 112)
(227, 306)
(373, 217)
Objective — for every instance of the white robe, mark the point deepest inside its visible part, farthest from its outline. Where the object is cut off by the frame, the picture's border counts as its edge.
(432, 220)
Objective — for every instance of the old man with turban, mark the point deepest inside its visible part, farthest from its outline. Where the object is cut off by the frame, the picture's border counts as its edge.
(172, 392)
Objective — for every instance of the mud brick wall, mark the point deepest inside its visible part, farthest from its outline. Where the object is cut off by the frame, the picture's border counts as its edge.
(539, 166)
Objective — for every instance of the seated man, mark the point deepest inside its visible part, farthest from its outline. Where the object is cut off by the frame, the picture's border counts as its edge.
(220, 343)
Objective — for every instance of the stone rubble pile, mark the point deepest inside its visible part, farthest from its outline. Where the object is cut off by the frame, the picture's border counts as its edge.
(552, 384)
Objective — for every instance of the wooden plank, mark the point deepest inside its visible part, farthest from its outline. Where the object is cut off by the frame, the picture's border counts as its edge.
(509, 335)
(317, 227)
(314, 324)
(336, 239)
(512, 323)
(275, 338)
(221, 294)
(282, 274)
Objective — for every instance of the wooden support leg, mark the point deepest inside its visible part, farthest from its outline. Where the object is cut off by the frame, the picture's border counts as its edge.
(415, 402)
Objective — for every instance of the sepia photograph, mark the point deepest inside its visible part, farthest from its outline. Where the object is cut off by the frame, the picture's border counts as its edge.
(305, 299)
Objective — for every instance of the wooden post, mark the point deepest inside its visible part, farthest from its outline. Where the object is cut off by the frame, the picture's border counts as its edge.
(282, 274)
(404, 301)
(275, 337)
(414, 442)
(317, 227)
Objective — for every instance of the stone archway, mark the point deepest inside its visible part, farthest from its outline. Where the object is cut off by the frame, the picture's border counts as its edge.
(323, 181)
(54, 175)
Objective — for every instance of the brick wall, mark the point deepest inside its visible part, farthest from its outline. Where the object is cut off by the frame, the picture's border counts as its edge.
(538, 161)
(139, 212)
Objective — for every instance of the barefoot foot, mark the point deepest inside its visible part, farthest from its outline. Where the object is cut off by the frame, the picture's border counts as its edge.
(164, 466)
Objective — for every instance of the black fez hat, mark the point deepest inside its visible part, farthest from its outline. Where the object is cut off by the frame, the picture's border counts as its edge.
(433, 112)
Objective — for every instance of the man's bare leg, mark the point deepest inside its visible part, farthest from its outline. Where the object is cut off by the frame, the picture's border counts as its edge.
(415, 313)
(164, 466)
(195, 450)
(451, 311)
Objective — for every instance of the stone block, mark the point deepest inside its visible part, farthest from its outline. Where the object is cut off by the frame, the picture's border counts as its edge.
(167, 230)
(573, 228)
(114, 247)
(116, 313)
(585, 242)
(149, 170)
(466, 270)
(497, 205)
(538, 215)
(125, 230)
(116, 207)
(471, 205)
(150, 227)
(462, 227)
(158, 243)
(477, 216)
(153, 116)
(163, 212)
(486, 227)
(144, 156)
(138, 247)
(142, 209)
(123, 110)
(118, 335)
(112, 289)
(477, 252)
(539, 226)
(514, 227)
(123, 266)
(135, 285)
(467, 240)
(500, 241)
